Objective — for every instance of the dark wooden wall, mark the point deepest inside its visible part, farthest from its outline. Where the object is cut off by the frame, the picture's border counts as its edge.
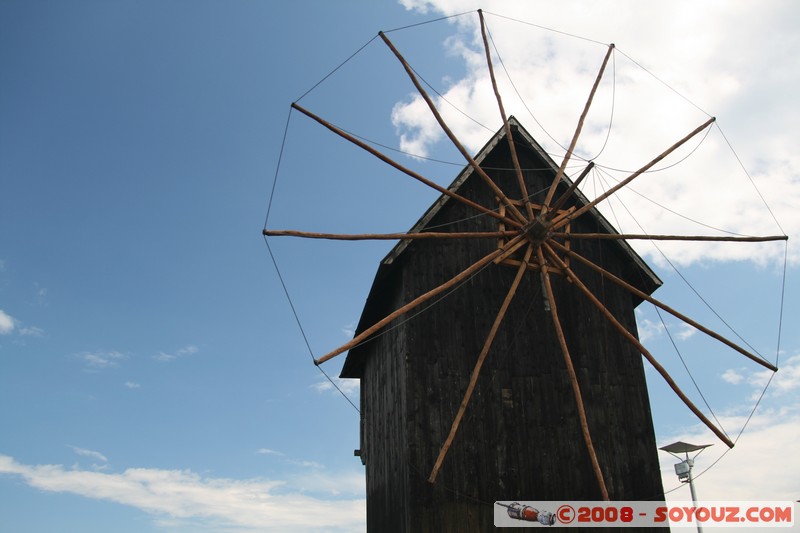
(520, 438)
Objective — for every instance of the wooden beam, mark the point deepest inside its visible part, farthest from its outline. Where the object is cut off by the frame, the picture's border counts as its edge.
(702, 238)
(389, 236)
(401, 168)
(644, 351)
(517, 167)
(644, 296)
(364, 335)
(479, 364)
(574, 141)
(573, 378)
(475, 166)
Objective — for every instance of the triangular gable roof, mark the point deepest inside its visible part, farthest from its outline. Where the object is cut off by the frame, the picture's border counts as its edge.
(354, 362)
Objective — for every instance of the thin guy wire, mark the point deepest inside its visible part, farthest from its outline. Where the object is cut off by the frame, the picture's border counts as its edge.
(727, 450)
(689, 372)
(451, 104)
(277, 270)
(278, 166)
(751, 179)
(546, 28)
(783, 292)
(667, 167)
(354, 54)
(667, 85)
(613, 103)
(596, 174)
(428, 22)
(300, 325)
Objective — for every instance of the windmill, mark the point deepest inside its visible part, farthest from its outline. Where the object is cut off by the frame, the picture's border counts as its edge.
(525, 377)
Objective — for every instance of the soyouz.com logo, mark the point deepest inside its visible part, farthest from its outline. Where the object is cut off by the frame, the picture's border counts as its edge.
(644, 514)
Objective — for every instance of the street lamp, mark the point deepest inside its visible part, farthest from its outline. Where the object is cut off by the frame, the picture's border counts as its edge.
(684, 468)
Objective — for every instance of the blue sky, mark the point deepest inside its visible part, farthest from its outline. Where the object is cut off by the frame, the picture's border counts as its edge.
(152, 375)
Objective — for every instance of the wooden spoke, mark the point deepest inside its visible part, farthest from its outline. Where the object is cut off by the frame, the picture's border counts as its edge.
(704, 238)
(479, 364)
(403, 169)
(475, 166)
(389, 236)
(633, 340)
(358, 339)
(568, 193)
(576, 390)
(644, 296)
(635, 175)
(574, 141)
(512, 148)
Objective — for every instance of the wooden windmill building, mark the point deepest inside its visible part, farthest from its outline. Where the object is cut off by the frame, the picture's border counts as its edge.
(521, 435)
(497, 349)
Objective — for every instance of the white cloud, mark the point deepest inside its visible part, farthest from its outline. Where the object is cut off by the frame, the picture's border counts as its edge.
(7, 323)
(720, 67)
(316, 479)
(781, 383)
(31, 331)
(307, 464)
(267, 451)
(184, 498)
(685, 331)
(132, 385)
(164, 357)
(648, 329)
(101, 360)
(41, 293)
(350, 329)
(732, 376)
(346, 385)
(89, 453)
(786, 380)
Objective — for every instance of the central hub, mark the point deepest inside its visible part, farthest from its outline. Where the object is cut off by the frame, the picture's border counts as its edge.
(537, 229)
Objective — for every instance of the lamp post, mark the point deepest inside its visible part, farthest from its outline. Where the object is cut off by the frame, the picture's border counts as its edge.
(684, 468)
